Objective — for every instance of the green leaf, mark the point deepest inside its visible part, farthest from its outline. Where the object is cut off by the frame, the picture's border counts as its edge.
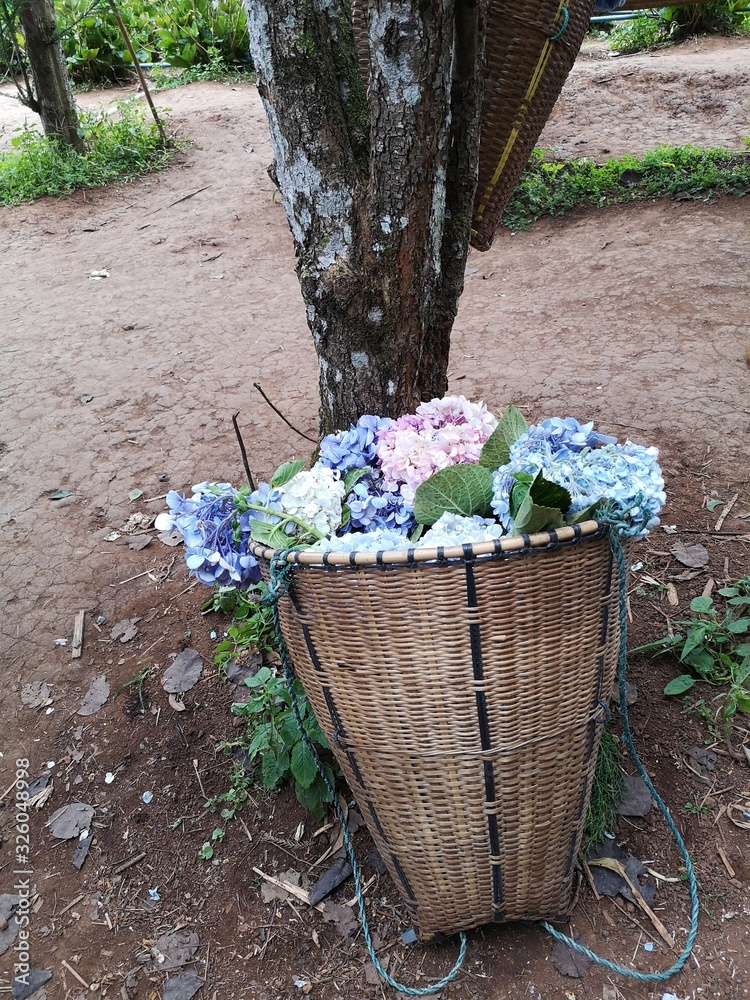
(679, 685)
(743, 649)
(586, 515)
(739, 627)
(304, 767)
(59, 495)
(135, 495)
(701, 604)
(259, 742)
(460, 489)
(517, 496)
(532, 517)
(352, 477)
(496, 450)
(701, 661)
(711, 505)
(736, 601)
(728, 591)
(286, 472)
(206, 852)
(259, 678)
(270, 534)
(548, 494)
(695, 638)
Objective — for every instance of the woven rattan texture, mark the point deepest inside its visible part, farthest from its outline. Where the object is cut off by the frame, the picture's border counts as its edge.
(525, 74)
(460, 700)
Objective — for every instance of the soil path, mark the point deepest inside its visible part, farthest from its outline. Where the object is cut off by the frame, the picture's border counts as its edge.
(635, 317)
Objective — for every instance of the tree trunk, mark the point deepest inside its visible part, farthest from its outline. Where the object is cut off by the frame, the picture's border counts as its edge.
(378, 185)
(53, 94)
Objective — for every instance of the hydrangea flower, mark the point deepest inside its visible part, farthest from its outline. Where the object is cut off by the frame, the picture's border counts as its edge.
(355, 448)
(314, 497)
(442, 432)
(372, 506)
(379, 539)
(214, 535)
(628, 475)
(559, 434)
(455, 529)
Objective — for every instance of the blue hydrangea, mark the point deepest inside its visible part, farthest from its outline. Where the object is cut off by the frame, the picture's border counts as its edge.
(628, 475)
(556, 435)
(214, 534)
(372, 507)
(355, 448)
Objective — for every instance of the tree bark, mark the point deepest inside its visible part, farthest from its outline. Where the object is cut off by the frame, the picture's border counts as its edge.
(377, 183)
(53, 94)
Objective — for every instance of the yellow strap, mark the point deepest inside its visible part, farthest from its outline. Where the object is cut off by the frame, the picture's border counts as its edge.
(537, 75)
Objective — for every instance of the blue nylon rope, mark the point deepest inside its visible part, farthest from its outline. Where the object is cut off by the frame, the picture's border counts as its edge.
(618, 529)
(278, 586)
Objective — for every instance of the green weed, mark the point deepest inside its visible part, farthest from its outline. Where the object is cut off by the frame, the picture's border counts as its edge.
(606, 791)
(252, 625)
(554, 187)
(118, 148)
(713, 645)
(273, 737)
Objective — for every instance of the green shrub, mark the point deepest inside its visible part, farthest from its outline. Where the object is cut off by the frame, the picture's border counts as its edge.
(185, 33)
(674, 23)
(554, 187)
(118, 147)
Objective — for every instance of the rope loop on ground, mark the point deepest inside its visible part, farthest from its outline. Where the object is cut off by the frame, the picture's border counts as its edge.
(620, 527)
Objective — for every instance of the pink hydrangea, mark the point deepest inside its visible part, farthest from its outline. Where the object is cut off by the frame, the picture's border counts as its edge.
(442, 432)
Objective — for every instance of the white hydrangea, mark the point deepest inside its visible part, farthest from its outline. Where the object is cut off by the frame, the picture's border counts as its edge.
(378, 540)
(315, 497)
(454, 529)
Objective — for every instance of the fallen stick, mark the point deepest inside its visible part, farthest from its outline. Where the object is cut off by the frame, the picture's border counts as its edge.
(293, 890)
(78, 635)
(73, 972)
(617, 867)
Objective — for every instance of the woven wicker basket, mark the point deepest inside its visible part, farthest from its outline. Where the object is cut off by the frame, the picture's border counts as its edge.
(527, 65)
(461, 691)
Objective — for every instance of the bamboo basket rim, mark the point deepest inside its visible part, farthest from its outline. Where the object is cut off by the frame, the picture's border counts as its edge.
(441, 554)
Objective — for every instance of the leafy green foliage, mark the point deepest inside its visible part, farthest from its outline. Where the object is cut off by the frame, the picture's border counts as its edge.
(286, 472)
(273, 737)
(714, 645)
(460, 489)
(670, 24)
(496, 449)
(186, 34)
(252, 625)
(537, 504)
(117, 148)
(554, 187)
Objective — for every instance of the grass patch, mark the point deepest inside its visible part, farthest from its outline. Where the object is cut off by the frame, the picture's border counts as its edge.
(606, 792)
(555, 187)
(118, 147)
(215, 71)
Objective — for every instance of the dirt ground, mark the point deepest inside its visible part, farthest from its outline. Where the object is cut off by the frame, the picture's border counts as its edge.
(635, 317)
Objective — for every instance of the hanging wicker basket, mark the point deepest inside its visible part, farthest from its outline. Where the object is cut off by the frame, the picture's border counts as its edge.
(530, 48)
(462, 692)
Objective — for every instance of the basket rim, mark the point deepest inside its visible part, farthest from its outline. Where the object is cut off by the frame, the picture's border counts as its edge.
(416, 554)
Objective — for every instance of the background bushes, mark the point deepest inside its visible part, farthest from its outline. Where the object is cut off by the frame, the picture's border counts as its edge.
(184, 33)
